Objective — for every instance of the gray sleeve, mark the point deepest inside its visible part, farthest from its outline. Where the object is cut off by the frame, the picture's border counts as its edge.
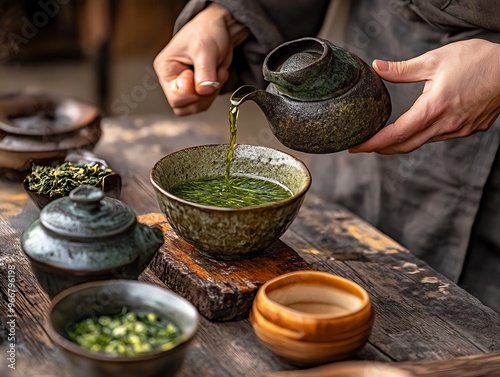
(271, 22)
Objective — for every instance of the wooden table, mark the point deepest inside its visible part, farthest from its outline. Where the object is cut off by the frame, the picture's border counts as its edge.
(421, 317)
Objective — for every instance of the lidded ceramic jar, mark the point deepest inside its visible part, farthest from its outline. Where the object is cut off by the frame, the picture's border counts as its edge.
(87, 237)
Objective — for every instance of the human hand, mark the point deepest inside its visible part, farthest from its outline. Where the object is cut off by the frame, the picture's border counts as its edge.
(461, 96)
(194, 64)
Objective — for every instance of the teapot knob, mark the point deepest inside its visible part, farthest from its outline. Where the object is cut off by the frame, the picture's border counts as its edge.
(86, 197)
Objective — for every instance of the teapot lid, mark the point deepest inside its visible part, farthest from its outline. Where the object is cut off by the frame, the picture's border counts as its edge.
(86, 213)
(311, 69)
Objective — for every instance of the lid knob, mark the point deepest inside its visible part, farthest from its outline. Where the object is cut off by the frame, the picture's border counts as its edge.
(87, 197)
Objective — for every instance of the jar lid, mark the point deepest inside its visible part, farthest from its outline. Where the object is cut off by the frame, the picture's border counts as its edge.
(86, 213)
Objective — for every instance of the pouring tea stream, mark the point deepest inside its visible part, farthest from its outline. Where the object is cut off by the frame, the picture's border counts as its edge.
(321, 98)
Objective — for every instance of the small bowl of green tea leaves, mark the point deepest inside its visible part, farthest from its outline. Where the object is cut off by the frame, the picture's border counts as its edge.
(230, 203)
(125, 334)
(122, 328)
(46, 183)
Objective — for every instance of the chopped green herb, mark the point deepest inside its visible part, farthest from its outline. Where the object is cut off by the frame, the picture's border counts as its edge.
(61, 180)
(125, 334)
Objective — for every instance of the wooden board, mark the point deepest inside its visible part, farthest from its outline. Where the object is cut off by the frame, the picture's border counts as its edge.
(220, 290)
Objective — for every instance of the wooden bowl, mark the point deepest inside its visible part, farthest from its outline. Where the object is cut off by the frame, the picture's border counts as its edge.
(305, 353)
(358, 333)
(316, 306)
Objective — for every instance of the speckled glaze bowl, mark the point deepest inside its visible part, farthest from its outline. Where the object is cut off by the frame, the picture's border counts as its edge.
(108, 298)
(230, 233)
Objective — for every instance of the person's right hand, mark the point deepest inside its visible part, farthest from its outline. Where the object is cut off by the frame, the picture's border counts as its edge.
(194, 64)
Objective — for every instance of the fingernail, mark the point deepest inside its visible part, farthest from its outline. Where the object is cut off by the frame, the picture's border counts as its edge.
(213, 84)
(381, 65)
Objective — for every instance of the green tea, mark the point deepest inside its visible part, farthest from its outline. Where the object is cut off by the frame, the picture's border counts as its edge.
(235, 191)
(234, 110)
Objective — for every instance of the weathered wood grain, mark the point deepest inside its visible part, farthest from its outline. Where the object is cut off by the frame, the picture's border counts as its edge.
(421, 316)
(220, 290)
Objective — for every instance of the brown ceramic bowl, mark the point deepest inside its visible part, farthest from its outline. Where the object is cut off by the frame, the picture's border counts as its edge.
(111, 184)
(312, 317)
(357, 333)
(314, 306)
(43, 128)
(304, 353)
(108, 298)
(230, 233)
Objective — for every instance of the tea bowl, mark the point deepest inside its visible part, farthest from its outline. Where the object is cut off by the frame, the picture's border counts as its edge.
(312, 317)
(230, 233)
(110, 297)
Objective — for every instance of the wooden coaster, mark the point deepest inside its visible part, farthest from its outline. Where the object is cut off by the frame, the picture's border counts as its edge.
(220, 290)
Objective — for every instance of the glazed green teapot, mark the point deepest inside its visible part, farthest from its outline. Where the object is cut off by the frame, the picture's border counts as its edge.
(321, 98)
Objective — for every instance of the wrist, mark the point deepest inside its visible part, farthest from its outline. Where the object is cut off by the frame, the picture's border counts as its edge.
(237, 32)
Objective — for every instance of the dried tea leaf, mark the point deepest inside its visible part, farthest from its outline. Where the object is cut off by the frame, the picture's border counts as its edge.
(62, 179)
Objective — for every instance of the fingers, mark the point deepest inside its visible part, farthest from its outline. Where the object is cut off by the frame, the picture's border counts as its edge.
(205, 71)
(404, 134)
(413, 70)
(185, 101)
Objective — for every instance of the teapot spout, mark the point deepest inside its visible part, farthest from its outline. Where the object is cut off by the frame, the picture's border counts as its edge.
(244, 93)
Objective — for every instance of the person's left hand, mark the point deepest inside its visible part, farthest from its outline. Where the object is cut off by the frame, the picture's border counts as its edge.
(461, 96)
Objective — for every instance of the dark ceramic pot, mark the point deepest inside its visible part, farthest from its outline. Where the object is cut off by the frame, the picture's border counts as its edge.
(109, 298)
(43, 128)
(87, 237)
(321, 98)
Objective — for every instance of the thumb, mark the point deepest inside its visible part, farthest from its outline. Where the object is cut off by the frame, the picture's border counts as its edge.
(413, 70)
(205, 72)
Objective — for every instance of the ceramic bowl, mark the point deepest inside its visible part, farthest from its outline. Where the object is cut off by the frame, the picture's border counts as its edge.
(108, 298)
(304, 353)
(230, 233)
(43, 128)
(312, 317)
(314, 306)
(358, 333)
(111, 184)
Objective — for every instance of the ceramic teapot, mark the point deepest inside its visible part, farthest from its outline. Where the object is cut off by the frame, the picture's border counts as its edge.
(321, 98)
(87, 237)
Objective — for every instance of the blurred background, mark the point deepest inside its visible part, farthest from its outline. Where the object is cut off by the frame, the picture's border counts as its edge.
(102, 51)
(96, 50)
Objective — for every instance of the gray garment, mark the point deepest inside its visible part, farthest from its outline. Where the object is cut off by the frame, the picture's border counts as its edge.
(427, 200)
(270, 24)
